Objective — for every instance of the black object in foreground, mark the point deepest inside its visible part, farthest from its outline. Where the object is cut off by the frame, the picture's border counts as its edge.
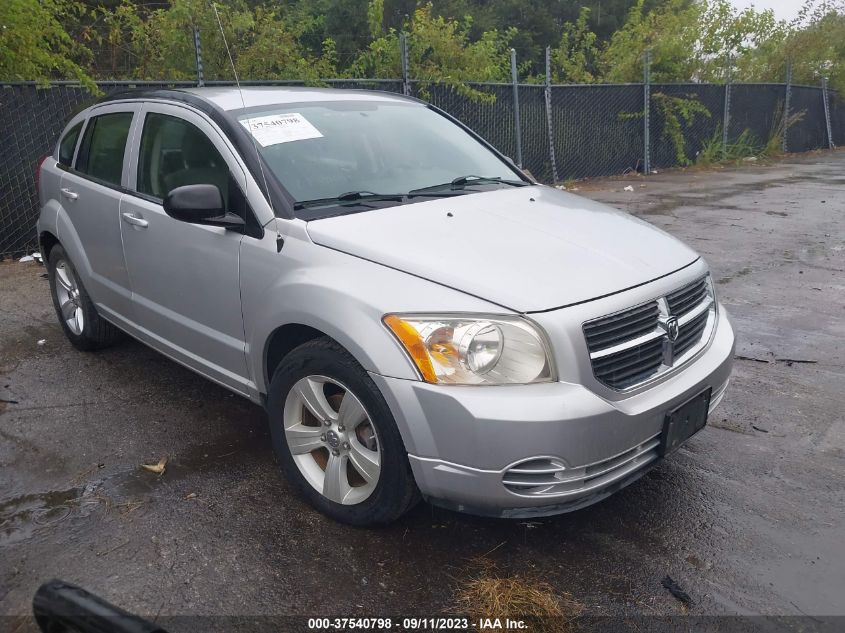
(675, 589)
(60, 607)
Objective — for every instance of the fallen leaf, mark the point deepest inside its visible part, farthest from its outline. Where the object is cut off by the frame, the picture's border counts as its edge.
(156, 468)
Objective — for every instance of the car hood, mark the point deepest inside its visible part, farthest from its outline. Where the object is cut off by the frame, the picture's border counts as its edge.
(527, 249)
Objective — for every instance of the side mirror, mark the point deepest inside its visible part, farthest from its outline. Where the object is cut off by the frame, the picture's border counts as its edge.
(200, 204)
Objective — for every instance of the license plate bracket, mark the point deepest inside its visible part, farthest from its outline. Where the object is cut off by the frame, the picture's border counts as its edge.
(684, 421)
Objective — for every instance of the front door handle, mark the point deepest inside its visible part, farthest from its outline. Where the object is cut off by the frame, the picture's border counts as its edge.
(69, 194)
(134, 220)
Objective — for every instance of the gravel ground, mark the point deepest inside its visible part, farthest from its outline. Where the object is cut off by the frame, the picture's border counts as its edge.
(747, 517)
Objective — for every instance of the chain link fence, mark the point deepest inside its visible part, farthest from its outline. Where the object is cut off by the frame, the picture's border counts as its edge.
(584, 131)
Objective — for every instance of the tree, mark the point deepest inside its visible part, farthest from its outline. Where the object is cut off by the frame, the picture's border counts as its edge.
(35, 44)
(262, 44)
(669, 31)
(440, 51)
(575, 59)
(814, 42)
(689, 41)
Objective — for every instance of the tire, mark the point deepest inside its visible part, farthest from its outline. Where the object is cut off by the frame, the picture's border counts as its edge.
(83, 326)
(333, 466)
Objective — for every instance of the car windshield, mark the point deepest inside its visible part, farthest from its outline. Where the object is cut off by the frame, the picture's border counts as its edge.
(370, 152)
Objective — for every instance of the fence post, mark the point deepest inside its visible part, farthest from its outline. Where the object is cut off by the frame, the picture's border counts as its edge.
(830, 144)
(516, 121)
(548, 92)
(647, 113)
(786, 105)
(198, 53)
(403, 56)
(726, 116)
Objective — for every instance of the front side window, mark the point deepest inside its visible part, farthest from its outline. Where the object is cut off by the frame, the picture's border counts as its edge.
(175, 153)
(102, 150)
(322, 150)
(68, 144)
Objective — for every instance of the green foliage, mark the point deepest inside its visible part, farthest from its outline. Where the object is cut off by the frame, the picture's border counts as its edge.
(263, 45)
(35, 44)
(774, 144)
(375, 17)
(714, 151)
(592, 40)
(692, 40)
(815, 43)
(672, 111)
(575, 58)
(440, 51)
(667, 31)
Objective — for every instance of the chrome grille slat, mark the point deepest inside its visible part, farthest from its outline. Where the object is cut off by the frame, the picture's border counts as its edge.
(629, 357)
(682, 300)
(621, 367)
(616, 328)
(624, 331)
(690, 334)
(632, 346)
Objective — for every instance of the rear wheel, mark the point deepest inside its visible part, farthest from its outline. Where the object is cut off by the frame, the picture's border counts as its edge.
(335, 437)
(79, 319)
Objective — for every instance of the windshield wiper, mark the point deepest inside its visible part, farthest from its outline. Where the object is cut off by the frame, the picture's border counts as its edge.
(350, 196)
(367, 196)
(470, 179)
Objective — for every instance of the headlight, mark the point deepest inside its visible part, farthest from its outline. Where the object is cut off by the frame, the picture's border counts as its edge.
(473, 350)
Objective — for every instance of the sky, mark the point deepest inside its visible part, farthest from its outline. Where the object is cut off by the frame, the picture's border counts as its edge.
(784, 9)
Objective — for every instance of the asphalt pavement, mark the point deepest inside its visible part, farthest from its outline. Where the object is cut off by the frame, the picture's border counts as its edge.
(747, 518)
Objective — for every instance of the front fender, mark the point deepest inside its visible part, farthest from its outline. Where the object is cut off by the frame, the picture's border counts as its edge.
(343, 296)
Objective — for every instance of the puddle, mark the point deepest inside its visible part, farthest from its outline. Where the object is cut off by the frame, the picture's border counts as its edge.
(126, 488)
(22, 516)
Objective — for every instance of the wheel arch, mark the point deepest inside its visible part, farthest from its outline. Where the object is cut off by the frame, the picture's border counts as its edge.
(46, 241)
(282, 341)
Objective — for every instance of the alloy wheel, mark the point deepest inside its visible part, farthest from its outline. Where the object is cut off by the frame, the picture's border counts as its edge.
(332, 439)
(69, 300)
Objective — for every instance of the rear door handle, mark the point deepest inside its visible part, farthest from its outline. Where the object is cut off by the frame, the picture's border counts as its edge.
(69, 194)
(134, 220)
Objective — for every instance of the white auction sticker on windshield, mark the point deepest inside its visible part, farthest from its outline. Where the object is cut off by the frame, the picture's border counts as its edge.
(280, 128)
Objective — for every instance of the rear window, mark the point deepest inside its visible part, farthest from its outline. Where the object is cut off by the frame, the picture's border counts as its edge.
(101, 153)
(68, 144)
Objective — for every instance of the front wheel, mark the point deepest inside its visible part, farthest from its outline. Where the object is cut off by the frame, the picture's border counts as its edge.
(335, 437)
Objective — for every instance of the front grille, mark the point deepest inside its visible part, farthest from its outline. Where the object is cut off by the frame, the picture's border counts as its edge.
(683, 300)
(549, 477)
(630, 347)
(689, 334)
(622, 326)
(630, 366)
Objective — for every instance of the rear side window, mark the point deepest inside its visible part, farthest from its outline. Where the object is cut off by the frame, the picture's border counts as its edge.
(175, 153)
(103, 145)
(68, 144)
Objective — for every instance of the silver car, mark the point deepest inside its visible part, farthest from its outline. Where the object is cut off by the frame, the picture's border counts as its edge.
(417, 315)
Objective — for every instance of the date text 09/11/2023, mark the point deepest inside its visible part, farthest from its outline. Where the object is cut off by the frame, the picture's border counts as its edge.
(415, 624)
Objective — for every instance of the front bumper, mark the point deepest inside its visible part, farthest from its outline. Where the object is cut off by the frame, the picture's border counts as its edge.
(464, 441)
